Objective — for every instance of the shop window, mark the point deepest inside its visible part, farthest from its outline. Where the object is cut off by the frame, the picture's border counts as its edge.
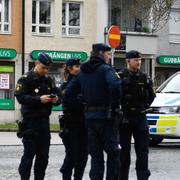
(174, 26)
(162, 74)
(56, 72)
(72, 19)
(7, 85)
(5, 16)
(41, 17)
(174, 22)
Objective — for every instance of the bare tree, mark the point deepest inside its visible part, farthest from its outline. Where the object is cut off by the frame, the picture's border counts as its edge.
(155, 13)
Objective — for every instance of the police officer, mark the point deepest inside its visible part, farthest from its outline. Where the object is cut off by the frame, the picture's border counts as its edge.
(137, 89)
(73, 134)
(100, 87)
(33, 92)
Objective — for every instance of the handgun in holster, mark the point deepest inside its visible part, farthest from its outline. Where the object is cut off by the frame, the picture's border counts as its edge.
(63, 120)
(21, 128)
(24, 132)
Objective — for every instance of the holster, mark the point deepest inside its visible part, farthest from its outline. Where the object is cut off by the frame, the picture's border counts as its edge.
(115, 116)
(21, 128)
(63, 123)
(24, 132)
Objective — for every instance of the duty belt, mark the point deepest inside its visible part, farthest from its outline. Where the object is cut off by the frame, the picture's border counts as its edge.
(96, 108)
(133, 110)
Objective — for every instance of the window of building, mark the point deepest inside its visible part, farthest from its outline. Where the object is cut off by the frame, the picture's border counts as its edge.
(119, 13)
(5, 16)
(72, 19)
(174, 22)
(41, 17)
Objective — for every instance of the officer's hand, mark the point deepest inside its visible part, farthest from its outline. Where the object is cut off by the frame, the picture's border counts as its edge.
(54, 100)
(45, 99)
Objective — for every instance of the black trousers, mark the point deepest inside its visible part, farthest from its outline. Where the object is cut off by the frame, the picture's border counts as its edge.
(103, 137)
(75, 142)
(134, 124)
(35, 146)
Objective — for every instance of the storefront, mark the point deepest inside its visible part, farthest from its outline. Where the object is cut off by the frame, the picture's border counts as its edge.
(166, 65)
(7, 78)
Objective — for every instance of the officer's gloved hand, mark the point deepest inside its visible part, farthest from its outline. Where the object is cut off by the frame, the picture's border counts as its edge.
(63, 132)
(61, 121)
(112, 113)
(115, 116)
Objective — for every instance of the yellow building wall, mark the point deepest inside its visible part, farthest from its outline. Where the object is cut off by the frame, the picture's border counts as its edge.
(57, 41)
(13, 39)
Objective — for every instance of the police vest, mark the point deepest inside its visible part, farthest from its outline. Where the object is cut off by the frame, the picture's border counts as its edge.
(134, 90)
(39, 85)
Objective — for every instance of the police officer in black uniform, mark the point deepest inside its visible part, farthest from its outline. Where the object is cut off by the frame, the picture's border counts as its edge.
(137, 89)
(73, 129)
(100, 87)
(36, 92)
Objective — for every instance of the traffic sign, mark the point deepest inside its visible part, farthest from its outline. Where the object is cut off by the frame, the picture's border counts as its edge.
(114, 36)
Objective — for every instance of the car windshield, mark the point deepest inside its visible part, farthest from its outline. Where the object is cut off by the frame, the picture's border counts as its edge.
(172, 85)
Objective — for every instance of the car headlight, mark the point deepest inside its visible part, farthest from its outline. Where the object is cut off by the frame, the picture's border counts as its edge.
(168, 110)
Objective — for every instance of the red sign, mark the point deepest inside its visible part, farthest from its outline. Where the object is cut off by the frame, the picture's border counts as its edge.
(114, 36)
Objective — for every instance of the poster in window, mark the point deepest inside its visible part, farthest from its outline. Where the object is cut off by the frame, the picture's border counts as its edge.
(4, 81)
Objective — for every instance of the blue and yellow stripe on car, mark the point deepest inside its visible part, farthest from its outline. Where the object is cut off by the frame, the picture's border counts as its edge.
(162, 123)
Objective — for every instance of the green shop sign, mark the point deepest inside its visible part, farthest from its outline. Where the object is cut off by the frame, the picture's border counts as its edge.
(174, 60)
(9, 69)
(7, 53)
(57, 108)
(6, 104)
(60, 55)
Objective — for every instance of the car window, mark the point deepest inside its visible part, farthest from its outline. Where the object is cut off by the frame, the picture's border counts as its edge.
(171, 86)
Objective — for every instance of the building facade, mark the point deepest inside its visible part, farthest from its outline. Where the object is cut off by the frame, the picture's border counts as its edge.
(168, 55)
(160, 51)
(61, 28)
(10, 55)
(133, 37)
(66, 29)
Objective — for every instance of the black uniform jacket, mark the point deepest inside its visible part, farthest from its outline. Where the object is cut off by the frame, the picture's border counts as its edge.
(29, 88)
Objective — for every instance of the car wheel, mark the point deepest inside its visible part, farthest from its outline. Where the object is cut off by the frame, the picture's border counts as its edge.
(154, 141)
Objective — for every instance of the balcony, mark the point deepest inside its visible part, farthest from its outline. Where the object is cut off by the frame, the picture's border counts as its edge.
(146, 43)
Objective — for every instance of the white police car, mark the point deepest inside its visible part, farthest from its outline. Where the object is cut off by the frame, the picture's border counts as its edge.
(164, 115)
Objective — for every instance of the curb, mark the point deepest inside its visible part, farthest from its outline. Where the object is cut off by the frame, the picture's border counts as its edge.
(15, 130)
(8, 130)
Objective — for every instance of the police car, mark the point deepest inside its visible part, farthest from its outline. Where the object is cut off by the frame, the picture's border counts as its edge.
(164, 115)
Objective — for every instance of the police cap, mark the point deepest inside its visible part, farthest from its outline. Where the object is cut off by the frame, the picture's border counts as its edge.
(72, 62)
(45, 59)
(133, 54)
(100, 47)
